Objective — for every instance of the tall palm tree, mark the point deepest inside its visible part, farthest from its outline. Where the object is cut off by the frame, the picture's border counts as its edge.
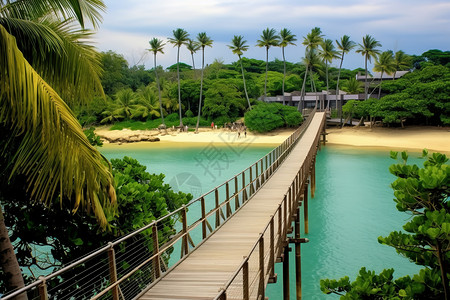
(180, 38)
(286, 38)
(384, 63)
(43, 59)
(311, 41)
(269, 38)
(202, 40)
(239, 46)
(345, 46)
(310, 61)
(328, 53)
(193, 47)
(157, 45)
(402, 62)
(369, 50)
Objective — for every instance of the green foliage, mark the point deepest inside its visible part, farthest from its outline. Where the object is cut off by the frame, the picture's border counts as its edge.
(424, 193)
(269, 116)
(94, 139)
(142, 197)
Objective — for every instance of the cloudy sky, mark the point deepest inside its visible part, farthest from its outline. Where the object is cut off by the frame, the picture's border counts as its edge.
(409, 25)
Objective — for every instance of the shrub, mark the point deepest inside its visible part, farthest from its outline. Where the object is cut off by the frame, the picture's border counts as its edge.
(269, 116)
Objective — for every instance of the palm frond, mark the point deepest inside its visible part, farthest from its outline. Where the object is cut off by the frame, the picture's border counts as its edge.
(54, 153)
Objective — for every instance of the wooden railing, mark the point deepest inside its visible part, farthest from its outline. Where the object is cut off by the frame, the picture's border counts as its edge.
(126, 267)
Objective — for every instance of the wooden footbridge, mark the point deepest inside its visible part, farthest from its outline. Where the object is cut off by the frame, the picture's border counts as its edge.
(230, 238)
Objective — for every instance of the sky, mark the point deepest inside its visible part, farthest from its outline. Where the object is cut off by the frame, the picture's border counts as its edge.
(409, 25)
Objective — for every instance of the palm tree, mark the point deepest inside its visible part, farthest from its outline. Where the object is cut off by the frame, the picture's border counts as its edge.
(239, 46)
(311, 41)
(310, 61)
(157, 45)
(145, 103)
(193, 47)
(328, 53)
(345, 46)
(124, 99)
(384, 63)
(286, 38)
(368, 49)
(202, 40)
(44, 58)
(402, 62)
(269, 38)
(180, 37)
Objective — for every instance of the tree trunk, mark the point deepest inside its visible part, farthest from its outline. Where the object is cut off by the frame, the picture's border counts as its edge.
(302, 93)
(366, 88)
(284, 74)
(159, 93)
(267, 69)
(245, 88)
(179, 87)
(326, 70)
(201, 90)
(8, 261)
(379, 88)
(443, 268)
(337, 91)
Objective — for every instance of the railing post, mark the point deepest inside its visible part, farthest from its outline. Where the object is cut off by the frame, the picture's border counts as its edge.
(113, 271)
(245, 287)
(216, 195)
(285, 227)
(313, 177)
(156, 263)
(202, 202)
(236, 193)
(272, 249)
(251, 190)
(227, 193)
(185, 237)
(42, 289)
(261, 268)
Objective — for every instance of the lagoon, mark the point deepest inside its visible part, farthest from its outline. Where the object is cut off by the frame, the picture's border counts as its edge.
(352, 207)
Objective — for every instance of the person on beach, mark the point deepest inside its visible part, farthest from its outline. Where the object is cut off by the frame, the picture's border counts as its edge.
(212, 125)
(245, 131)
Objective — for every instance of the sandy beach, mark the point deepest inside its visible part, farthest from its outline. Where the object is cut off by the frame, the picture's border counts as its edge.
(410, 138)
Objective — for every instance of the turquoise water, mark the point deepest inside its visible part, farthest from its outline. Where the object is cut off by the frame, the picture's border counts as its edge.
(353, 205)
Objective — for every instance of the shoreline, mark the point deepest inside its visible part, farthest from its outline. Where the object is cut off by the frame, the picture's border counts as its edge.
(414, 138)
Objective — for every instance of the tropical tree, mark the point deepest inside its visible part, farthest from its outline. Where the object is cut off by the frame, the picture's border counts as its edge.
(402, 62)
(327, 53)
(369, 50)
(345, 46)
(202, 40)
(193, 47)
(269, 38)
(43, 59)
(145, 104)
(124, 100)
(286, 38)
(311, 42)
(180, 37)
(157, 45)
(384, 63)
(239, 46)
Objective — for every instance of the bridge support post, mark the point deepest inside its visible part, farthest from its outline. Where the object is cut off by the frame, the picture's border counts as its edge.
(286, 295)
(298, 259)
(156, 264)
(313, 177)
(305, 207)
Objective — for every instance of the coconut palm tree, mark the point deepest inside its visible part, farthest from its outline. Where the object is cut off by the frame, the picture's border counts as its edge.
(345, 46)
(402, 62)
(157, 45)
(145, 104)
(193, 47)
(43, 59)
(327, 53)
(311, 42)
(180, 37)
(286, 38)
(384, 63)
(239, 46)
(269, 38)
(369, 50)
(310, 61)
(202, 40)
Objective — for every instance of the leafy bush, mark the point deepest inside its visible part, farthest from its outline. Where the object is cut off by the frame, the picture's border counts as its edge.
(189, 113)
(269, 116)
(94, 139)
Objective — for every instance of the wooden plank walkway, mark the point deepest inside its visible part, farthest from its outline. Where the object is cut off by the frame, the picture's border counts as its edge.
(202, 274)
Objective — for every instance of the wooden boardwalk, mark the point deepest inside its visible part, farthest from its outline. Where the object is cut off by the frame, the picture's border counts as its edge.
(206, 270)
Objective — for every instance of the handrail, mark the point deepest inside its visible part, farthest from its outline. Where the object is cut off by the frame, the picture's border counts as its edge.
(114, 282)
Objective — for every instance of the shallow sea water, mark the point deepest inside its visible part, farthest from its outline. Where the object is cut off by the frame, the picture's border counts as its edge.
(352, 207)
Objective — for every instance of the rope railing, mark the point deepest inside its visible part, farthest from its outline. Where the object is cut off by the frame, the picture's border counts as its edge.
(126, 267)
